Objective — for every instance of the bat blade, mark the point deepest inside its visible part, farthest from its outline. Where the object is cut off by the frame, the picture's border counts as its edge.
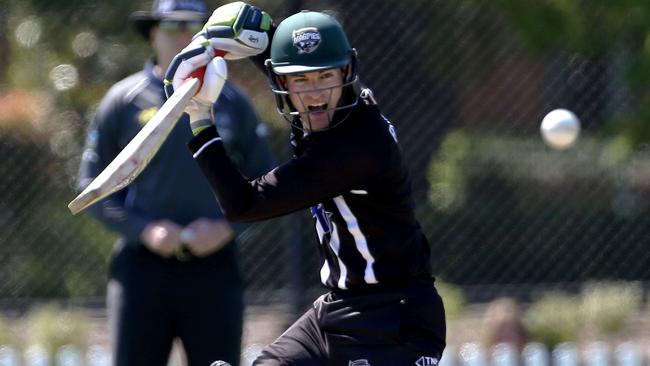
(137, 154)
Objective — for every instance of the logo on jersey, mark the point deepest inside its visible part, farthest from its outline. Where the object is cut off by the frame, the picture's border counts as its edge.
(323, 217)
(306, 40)
(427, 361)
(359, 363)
(146, 114)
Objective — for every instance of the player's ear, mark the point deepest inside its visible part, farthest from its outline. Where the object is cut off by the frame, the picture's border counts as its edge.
(152, 32)
(347, 72)
(281, 81)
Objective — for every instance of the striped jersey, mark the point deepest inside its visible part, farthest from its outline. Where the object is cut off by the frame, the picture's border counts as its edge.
(355, 183)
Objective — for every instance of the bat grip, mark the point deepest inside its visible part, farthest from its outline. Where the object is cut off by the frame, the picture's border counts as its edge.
(200, 72)
(197, 74)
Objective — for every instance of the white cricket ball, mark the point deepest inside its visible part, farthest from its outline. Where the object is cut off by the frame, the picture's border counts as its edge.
(560, 128)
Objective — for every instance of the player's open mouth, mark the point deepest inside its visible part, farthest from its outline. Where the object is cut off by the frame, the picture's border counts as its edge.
(317, 109)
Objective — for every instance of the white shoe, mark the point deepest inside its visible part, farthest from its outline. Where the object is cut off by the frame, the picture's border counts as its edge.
(220, 363)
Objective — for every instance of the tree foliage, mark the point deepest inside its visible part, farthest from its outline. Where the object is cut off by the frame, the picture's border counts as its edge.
(617, 31)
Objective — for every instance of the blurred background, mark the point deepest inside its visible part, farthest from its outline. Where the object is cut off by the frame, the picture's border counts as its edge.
(532, 246)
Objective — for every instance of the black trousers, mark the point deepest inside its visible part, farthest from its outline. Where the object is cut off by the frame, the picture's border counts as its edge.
(402, 326)
(153, 300)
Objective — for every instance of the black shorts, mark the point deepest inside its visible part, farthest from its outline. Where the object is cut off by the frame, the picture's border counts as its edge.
(404, 326)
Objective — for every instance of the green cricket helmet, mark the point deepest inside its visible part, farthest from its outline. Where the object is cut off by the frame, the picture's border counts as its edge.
(311, 41)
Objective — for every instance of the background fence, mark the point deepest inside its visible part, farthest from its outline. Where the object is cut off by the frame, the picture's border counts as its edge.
(468, 354)
(466, 84)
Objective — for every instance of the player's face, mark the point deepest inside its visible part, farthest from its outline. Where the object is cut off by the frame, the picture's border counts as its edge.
(169, 37)
(315, 95)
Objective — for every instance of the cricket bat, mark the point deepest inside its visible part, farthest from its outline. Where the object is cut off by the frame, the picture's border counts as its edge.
(137, 154)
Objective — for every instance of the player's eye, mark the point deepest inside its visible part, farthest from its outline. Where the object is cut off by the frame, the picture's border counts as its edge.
(299, 80)
(175, 26)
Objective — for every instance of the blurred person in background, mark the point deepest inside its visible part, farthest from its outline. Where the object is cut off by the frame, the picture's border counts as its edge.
(503, 324)
(382, 307)
(174, 271)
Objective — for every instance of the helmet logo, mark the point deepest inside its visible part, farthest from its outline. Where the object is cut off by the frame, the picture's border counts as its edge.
(306, 40)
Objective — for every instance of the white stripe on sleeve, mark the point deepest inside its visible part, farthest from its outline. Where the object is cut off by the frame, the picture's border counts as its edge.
(199, 151)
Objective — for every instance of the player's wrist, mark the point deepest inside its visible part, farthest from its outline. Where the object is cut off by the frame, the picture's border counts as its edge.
(199, 125)
(199, 112)
(199, 109)
(200, 116)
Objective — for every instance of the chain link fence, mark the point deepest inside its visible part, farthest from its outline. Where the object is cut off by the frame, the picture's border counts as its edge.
(466, 89)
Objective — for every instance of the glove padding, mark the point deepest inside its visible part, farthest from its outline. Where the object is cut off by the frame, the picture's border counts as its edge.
(200, 106)
(238, 29)
(233, 31)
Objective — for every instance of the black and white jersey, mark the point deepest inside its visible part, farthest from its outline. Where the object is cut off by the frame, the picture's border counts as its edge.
(356, 185)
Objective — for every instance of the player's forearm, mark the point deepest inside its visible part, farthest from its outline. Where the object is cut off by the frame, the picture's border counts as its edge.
(110, 211)
(232, 190)
(241, 200)
(115, 217)
(257, 158)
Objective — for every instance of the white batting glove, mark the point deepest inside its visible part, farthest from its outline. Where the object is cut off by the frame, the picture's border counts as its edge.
(200, 107)
(234, 31)
(238, 29)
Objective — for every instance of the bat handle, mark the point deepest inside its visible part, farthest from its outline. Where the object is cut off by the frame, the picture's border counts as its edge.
(197, 74)
(200, 72)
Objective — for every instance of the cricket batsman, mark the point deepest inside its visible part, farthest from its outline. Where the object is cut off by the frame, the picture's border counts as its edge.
(382, 308)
